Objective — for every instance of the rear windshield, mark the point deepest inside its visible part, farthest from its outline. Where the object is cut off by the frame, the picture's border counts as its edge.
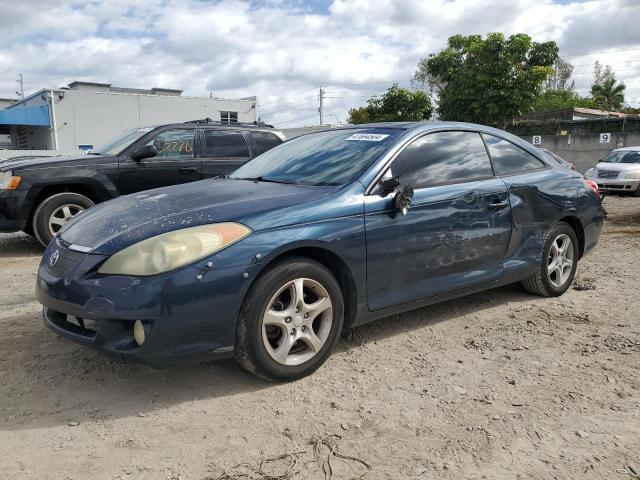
(332, 157)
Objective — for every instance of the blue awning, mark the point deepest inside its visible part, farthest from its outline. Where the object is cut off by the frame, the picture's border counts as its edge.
(34, 116)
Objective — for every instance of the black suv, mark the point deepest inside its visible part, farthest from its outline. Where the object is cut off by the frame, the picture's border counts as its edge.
(40, 194)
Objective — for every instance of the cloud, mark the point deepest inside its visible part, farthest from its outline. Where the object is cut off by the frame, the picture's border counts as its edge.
(283, 50)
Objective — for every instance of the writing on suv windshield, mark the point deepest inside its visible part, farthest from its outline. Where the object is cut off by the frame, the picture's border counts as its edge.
(325, 158)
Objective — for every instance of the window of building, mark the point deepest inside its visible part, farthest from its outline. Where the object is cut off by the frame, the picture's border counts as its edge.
(442, 157)
(508, 158)
(265, 140)
(229, 117)
(174, 143)
(221, 144)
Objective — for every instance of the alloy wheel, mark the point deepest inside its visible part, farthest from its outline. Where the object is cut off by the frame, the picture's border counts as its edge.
(560, 261)
(297, 321)
(62, 215)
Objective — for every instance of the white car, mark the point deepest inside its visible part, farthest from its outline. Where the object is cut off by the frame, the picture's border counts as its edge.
(618, 172)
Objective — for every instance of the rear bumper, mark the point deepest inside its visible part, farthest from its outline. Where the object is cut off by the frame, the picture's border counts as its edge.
(14, 211)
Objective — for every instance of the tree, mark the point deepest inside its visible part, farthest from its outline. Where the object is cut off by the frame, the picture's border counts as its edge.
(606, 92)
(559, 79)
(397, 105)
(358, 115)
(552, 99)
(488, 81)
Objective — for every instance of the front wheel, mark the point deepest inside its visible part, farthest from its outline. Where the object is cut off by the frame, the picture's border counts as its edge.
(290, 320)
(55, 212)
(558, 264)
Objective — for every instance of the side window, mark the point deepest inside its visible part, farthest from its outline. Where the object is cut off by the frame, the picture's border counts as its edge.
(221, 144)
(442, 157)
(265, 141)
(174, 143)
(509, 159)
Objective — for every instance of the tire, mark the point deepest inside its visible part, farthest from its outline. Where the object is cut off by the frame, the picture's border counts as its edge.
(272, 299)
(554, 283)
(636, 193)
(54, 206)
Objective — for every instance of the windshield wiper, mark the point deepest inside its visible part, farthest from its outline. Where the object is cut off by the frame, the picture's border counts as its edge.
(269, 180)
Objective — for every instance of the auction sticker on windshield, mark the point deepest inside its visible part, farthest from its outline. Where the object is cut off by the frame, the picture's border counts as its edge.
(368, 137)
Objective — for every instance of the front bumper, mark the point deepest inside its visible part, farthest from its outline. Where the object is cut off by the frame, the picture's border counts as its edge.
(617, 184)
(186, 319)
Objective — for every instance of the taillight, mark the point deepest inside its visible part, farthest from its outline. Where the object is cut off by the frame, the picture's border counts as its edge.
(592, 185)
(573, 167)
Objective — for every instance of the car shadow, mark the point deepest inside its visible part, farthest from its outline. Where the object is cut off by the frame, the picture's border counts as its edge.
(49, 381)
(19, 245)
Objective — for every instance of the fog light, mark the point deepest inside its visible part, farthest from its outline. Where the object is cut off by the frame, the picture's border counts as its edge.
(138, 332)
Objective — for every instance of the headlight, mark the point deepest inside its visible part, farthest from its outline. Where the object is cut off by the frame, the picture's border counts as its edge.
(633, 176)
(8, 181)
(589, 173)
(173, 249)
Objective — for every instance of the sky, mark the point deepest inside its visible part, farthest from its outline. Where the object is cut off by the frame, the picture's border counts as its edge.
(283, 51)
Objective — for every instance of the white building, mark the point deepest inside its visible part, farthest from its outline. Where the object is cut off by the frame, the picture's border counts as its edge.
(85, 115)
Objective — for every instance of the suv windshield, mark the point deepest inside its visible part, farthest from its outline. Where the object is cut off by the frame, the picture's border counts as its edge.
(623, 157)
(122, 142)
(324, 158)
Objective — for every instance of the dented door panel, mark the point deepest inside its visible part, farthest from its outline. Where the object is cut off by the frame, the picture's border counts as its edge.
(450, 238)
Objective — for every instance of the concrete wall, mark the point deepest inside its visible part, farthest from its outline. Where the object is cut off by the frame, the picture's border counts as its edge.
(96, 117)
(585, 151)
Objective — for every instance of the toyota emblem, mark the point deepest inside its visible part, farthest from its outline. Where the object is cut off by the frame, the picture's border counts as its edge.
(53, 259)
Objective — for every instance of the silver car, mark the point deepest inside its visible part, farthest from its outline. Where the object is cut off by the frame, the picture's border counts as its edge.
(618, 172)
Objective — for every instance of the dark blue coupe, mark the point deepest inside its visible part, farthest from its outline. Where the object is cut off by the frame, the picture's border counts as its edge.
(328, 230)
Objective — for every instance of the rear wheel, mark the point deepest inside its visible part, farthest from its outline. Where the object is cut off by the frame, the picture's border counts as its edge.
(558, 265)
(56, 211)
(290, 320)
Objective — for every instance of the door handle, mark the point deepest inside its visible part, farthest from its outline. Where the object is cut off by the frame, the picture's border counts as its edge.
(498, 205)
(188, 169)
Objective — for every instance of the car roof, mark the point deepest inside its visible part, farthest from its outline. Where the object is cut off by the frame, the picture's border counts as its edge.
(635, 148)
(214, 124)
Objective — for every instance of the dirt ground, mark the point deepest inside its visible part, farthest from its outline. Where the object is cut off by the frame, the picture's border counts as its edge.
(496, 385)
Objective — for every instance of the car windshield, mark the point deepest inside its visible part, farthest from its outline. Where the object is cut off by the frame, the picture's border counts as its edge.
(122, 142)
(325, 158)
(623, 157)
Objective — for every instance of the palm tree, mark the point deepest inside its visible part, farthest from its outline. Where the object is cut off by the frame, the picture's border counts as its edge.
(609, 95)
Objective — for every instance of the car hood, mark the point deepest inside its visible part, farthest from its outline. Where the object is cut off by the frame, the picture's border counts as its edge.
(618, 167)
(116, 224)
(37, 161)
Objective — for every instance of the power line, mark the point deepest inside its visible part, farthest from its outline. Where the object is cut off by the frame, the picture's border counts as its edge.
(297, 119)
(584, 54)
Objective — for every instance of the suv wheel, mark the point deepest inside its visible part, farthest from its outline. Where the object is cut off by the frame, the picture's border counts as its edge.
(290, 320)
(56, 211)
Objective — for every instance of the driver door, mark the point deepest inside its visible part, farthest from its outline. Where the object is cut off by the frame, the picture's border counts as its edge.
(176, 162)
(454, 235)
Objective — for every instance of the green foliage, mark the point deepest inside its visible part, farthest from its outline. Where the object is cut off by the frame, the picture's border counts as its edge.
(606, 92)
(488, 81)
(397, 105)
(559, 99)
(358, 116)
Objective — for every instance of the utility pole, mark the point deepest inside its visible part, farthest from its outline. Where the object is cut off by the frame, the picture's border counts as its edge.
(21, 82)
(321, 109)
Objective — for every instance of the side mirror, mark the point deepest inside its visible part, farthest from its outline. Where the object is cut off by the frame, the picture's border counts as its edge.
(146, 151)
(390, 184)
(402, 200)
